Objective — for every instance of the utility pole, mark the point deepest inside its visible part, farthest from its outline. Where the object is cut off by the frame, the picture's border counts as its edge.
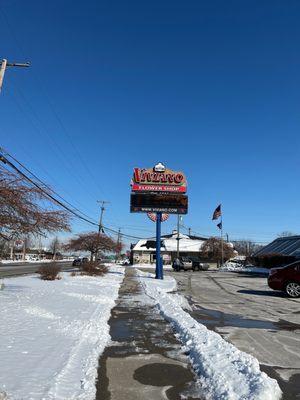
(100, 229)
(102, 202)
(190, 231)
(118, 243)
(5, 64)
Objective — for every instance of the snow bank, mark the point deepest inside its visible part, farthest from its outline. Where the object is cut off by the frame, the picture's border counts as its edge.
(54, 333)
(225, 373)
(31, 262)
(150, 266)
(235, 267)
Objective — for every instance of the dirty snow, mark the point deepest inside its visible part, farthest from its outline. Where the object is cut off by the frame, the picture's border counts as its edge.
(225, 373)
(54, 333)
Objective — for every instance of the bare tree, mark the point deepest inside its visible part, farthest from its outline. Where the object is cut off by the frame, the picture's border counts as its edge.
(55, 245)
(22, 212)
(118, 249)
(212, 249)
(94, 242)
(286, 234)
(246, 247)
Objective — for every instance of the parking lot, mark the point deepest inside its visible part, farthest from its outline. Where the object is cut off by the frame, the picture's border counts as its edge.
(246, 312)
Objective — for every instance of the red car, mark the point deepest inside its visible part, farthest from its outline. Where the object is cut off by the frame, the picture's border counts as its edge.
(286, 279)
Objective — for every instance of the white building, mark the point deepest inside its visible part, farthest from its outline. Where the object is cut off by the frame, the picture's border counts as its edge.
(189, 245)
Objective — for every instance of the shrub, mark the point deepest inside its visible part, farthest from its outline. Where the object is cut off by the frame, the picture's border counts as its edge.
(49, 272)
(93, 268)
(271, 260)
(73, 273)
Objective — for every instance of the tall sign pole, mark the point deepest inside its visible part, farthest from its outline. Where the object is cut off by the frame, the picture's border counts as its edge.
(178, 238)
(158, 269)
(158, 191)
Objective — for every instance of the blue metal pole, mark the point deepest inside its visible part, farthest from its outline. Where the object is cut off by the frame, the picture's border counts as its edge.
(158, 270)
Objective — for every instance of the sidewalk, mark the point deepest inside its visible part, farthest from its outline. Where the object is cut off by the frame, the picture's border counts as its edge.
(145, 360)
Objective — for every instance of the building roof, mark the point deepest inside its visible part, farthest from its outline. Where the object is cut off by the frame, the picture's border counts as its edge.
(287, 246)
(169, 243)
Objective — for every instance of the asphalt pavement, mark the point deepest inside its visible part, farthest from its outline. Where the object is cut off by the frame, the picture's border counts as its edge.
(7, 270)
(247, 313)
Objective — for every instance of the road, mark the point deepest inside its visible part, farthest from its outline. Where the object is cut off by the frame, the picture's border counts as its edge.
(27, 268)
(253, 317)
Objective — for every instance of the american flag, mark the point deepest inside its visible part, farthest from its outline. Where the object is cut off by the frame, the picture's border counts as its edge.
(217, 213)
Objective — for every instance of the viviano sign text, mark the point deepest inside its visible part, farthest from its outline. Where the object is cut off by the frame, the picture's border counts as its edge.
(158, 179)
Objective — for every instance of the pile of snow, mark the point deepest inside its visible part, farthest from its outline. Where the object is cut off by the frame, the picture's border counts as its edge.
(224, 371)
(245, 268)
(54, 333)
(236, 264)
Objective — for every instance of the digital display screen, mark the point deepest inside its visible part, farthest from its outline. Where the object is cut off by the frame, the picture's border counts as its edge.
(159, 202)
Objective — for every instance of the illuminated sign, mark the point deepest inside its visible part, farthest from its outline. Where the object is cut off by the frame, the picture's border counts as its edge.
(159, 202)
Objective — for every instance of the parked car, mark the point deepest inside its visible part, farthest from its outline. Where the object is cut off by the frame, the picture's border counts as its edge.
(76, 262)
(79, 261)
(189, 263)
(286, 279)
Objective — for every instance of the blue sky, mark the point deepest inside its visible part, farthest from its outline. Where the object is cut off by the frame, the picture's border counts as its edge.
(211, 88)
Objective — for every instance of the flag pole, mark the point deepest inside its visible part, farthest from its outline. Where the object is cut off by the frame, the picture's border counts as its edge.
(222, 247)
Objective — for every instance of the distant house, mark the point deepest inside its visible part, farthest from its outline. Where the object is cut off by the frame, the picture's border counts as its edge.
(285, 246)
(189, 245)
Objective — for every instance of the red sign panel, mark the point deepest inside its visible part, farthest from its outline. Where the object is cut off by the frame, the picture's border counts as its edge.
(150, 180)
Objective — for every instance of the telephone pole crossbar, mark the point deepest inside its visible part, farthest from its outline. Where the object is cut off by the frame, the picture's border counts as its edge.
(5, 64)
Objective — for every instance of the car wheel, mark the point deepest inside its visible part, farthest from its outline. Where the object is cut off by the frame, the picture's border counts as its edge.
(293, 289)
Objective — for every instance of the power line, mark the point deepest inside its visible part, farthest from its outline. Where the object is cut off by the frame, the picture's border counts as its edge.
(48, 100)
(62, 203)
(55, 200)
(43, 183)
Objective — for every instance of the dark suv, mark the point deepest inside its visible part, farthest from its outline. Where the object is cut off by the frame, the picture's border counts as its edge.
(286, 279)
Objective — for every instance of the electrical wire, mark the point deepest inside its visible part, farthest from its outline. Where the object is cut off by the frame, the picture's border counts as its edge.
(48, 100)
(58, 202)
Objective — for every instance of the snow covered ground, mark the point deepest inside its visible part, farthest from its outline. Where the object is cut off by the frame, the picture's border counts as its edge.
(225, 373)
(52, 334)
(150, 266)
(31, 261)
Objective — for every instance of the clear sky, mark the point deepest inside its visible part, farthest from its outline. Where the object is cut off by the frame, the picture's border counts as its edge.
(211, 88)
